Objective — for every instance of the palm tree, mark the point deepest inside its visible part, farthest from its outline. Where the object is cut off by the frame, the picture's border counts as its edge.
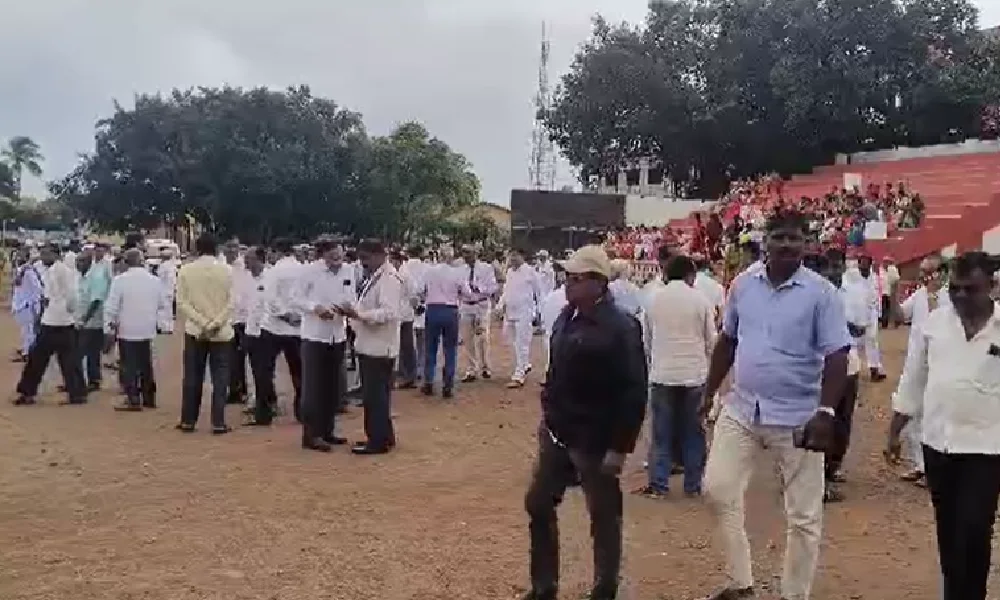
(22, 154)
(6, 181)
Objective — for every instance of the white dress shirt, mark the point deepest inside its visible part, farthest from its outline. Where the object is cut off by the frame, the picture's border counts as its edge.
(243, 287)
(256, 304)
(59, 284)
(482, 285)
(627, 296)
(855, 300)
(682, 332)
(552, 307)
(321, 287)
(444, 284)
(711, 289)
(378, 307)
(281, 282)
(521, 293)
(412, 274)
(917, 308)
(136, 305)
(546, 277)
(953, 385)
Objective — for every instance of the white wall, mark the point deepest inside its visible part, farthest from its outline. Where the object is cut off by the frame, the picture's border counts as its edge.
(991, 240)
(904, 153)
(652, 211)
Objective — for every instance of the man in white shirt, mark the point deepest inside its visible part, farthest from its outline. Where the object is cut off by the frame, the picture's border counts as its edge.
(682, 331)
(411, 330)
(713, 291)
(866, 276)
(476, 314)
(135, 306)
(952, 385)
(626, 295)
(915, 309)
(376, 315)
(519, 304)
(325, 286)
(854, 298)
(552, 307)
(257, 351)
(281, 324)
(56, 333)
(889, 286)
(26, 303)
(167, 273)
(444, 289)
(241, 286)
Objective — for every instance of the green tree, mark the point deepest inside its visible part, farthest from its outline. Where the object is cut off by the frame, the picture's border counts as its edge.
(22, 154)
(414, 182)
(6, 182)
(714, 89)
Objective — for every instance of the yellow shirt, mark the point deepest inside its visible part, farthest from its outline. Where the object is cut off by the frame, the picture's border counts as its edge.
(204, 288)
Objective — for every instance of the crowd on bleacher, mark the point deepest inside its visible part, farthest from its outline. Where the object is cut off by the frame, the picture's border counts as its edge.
(735, 224)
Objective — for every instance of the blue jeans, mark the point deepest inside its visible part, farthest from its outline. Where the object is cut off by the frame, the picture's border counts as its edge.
(674, 410)
(441, 325)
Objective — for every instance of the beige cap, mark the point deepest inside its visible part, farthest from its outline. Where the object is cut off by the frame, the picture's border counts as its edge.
(589, 259)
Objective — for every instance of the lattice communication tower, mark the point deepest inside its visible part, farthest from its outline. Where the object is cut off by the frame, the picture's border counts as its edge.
(542, 170)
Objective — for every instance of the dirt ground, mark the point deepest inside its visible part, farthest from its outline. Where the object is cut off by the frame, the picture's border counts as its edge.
(98, 504)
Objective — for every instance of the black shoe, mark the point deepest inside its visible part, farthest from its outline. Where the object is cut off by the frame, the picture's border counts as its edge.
(427, 389)
(221, 429)
(363, 448)
(185, 427)
(406, 385)
(93, 386)
(61, 389)
(603, 593)
(128, 407)
(316, 444)
(23, 400)
(334, 440)
(149, 403)
(447, 393)
(253, 422)
(533, 595)
(486, 374)
(733, 594)
(469, 378)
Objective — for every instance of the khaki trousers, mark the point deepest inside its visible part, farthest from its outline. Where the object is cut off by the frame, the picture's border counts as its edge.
(476, 345)
(727, 475)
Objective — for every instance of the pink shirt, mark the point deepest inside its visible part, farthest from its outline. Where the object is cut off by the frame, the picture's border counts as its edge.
(444, 284)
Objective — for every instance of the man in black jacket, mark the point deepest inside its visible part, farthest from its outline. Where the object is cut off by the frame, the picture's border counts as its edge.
(593, 405)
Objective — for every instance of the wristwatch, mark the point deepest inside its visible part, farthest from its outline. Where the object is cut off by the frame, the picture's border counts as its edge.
(827, 410)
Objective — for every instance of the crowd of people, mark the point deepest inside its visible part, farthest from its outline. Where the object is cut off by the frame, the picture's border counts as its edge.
(791, 329)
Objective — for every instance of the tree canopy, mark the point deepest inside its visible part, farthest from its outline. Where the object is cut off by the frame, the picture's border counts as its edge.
(719, 88)
(261, 163)
(21, 154)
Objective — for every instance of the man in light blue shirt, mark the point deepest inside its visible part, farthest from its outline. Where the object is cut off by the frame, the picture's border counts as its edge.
(785, 336)
(94, 284)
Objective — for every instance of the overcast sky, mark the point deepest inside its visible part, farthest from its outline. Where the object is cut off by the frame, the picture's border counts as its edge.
(466, 68)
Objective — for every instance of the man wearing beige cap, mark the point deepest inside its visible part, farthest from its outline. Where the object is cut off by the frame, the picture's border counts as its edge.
(593, 404)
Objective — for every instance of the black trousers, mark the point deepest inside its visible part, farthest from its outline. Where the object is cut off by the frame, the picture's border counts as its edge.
(238, 365)
(555, 469)
(61, 342)
(291, 347)
(91, 342)
(198, 353)
(265, 400)
(964, 491)
(137, 374)
(321, 387)
(407, 353)
(843, 422)
(376, 396)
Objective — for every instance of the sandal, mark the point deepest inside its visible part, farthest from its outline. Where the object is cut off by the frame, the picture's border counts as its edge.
(912, 477)
(185, 427)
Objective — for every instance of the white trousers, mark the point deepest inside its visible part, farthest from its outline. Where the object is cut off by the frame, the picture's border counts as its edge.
(518, 334)
(727, 475)
(913, 444)
(873, 357)
(25, 319)
(475, 332)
